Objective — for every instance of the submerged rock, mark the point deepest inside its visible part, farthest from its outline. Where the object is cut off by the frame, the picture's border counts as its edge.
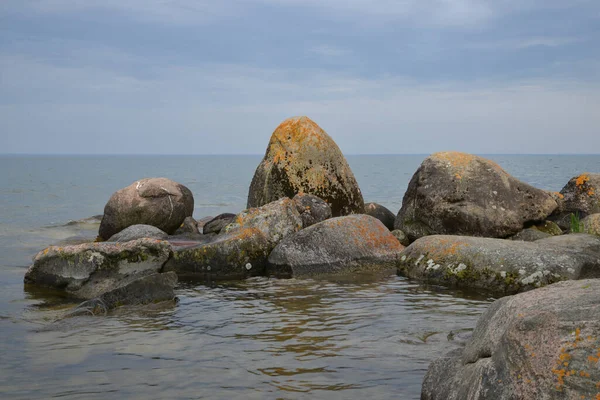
(462, 194)
(542, 344)
(302, 158)
(159, 202)
(89, 270)
(216, 224)
(235, 255)
(343, 245)
(138, 231)
(312, 209)
(381, 213)
(501, 266)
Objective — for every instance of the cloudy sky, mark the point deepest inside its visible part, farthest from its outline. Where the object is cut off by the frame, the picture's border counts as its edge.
(380, 76)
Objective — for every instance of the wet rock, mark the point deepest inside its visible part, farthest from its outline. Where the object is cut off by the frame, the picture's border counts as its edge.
(401, 236)
(236, 255)
(302, 158)
(381, 213)
(88, 270)
(462, 194)
(189, 225)
(138, 231)
(542, 344)
(145, 290)
(159, 202)
(312, 209)
(501, 266)
(591, 224)
(343, 245)
(275, 220)
(530, 235)
(93, 220)
(217, 224)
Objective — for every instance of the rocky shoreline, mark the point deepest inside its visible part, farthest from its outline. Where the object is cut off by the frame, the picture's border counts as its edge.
(464, 222)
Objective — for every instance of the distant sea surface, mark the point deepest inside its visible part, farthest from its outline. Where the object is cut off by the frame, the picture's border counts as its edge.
(257, 339)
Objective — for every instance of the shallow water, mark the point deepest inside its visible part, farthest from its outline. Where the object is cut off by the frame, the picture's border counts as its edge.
(262, 338)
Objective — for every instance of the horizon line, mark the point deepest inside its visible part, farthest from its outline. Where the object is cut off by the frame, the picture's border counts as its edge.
(262, 154)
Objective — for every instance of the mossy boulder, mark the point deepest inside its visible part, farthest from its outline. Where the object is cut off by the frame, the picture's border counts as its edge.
(381, 213)
(542, 344)
(302, 158)
(462, 194)
(88, 270)
(500, 266)
(236, 255)
(337, 246)
(159, 202)
(312, 209)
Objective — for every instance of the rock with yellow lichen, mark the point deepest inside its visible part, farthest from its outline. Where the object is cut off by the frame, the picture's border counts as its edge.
(581, 197)
(500, 266)
(543, 344)
(159, 202)
(338, 246)
(302, 158)
(462, 194)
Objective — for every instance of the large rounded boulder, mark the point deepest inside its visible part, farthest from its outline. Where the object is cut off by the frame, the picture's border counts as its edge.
(159, 202)
(462, 194)
(302, 158)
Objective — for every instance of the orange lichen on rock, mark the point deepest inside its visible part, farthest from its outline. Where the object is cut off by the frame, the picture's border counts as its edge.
(582, 179)
(460, 162)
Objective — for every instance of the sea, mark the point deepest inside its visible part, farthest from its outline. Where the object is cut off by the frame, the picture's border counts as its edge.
(262, 338)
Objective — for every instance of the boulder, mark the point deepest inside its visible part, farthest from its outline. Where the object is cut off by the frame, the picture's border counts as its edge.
(159, 202)
(302, 158)
(401, 236)
(216, 224)
(89, 270)
(145, 290)
(342, 245)
(275, 220)
(202, 221)
(543, 344)
(312, 209)
(591, 224)
(236, 255)
(138, 231)
(582, 195)
(530, 235)
(381, 213)
(501, 266)
(462, 194)
(189, 226)
(548, 227)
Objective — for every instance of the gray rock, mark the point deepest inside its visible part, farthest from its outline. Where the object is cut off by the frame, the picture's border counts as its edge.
(275, 220)
(548, 227)
(591, 224)
(138, 231)
(302, 158)
(145, 290)
(542, 344)
(202, 221)
(401, 236)
(93, 220)
(462, 194)
(530, 235)
(381, 213)
(216, 224)
(312, 209)
(582, 195)
(88, 270)
(343, 245)
(159, 202)
(235, 255)
(501, 266)
(189, 226)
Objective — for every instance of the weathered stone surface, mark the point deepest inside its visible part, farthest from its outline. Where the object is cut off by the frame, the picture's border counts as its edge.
(302, 158)
(530, 235)
(236, 255)
(381, 213)
(582, 195)
(591, 224)
(343, 245)
(203, 221)
(401, 236)
(501, 266)
(138, 231)
(88, 270)
(312, 209)
(217, 224)
(542, 344)
(463, 194)
(159, 202)
(145, 290)
(275, 220)
(548, 227)
(188, 226)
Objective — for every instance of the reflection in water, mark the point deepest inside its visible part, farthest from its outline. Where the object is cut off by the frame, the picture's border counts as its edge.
(262, 338)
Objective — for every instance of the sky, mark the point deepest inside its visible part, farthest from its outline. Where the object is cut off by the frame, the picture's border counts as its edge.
(380, 76)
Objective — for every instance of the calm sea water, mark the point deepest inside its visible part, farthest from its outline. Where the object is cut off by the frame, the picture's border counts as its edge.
(262, 338)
